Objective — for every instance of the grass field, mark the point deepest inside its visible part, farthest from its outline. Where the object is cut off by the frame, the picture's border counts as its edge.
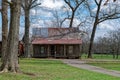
(100, 56)
(105, 61)
(45, 69)
(107, 64)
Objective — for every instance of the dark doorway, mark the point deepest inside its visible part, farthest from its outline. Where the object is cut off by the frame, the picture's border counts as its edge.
(52, 50)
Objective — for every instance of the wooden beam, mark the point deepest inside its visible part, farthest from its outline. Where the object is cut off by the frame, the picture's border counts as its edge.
(55, 52)
(80, 54)
(48, 51)
(64, 50)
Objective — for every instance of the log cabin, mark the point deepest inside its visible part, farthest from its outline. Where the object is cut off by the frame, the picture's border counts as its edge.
(56, 42)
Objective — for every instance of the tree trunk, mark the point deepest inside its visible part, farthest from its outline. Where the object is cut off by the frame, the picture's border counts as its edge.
(11, 62)
(27, 6)
(113, 55)
(117, 50)
(4, 30)
(92, 40)
(72, 18)
(117, 53)
(26, 35)
(94, 29)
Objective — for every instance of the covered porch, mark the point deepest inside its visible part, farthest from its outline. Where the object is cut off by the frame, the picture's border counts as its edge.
(57, 49)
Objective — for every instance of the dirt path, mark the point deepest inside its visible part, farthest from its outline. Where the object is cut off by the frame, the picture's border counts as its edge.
(83, 65)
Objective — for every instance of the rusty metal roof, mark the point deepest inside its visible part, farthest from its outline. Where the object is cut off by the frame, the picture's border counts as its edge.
(57, 41)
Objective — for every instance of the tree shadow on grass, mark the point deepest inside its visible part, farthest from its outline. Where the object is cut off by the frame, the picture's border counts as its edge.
(29, 74)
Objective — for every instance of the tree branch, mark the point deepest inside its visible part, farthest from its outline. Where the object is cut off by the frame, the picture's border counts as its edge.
(96, 2)
(78, 4)
(68, 3)
(35, 5)
(88, 6)
(109, 18)
(8, 2)
(81, 23)
(63, 21)
(23, 6)
(31, 4)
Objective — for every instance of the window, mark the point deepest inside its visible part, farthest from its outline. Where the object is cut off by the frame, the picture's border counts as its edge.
(70, 49)
(42, 49)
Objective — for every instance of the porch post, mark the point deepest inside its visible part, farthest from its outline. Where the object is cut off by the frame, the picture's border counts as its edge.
(55, 52)
(64, 50)
(48, 51)
(80, 54)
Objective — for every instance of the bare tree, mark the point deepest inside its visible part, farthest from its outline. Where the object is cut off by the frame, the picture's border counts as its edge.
(114, 37)
(11, 57)
(100, 15)
(109, 44)
(56, 22)
(4, 29)
(108, 1)
(101, 46)
(74, 8)
(27, 5)
(85, 42)
(57, 19)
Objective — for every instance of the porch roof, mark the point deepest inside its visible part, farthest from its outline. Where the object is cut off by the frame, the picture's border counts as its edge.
(57, 41)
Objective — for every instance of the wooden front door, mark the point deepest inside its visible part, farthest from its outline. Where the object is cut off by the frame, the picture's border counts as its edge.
(70, 50)
(52, 50)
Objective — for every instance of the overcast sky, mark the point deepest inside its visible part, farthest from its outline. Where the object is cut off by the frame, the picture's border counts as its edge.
(44, 14)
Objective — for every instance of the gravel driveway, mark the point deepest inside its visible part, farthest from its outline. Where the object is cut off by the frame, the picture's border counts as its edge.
(81, 64)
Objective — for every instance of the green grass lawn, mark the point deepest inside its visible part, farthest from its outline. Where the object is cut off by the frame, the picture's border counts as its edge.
(45, 69)
(105, 61)
(108, 64)
(100, 56)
